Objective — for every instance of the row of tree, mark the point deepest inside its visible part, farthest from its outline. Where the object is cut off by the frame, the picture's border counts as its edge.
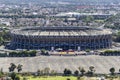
(23, 54)
(111, 53)
(48, 72)
(22, 16)
(13, 67)
(12, 74)
(67, 72)
(80, 72)
(19, 54)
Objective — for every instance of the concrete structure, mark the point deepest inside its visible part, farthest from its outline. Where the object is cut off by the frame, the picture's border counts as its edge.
(60, 37)
(84, 15)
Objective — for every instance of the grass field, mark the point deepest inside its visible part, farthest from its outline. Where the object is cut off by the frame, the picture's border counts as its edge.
(51, 78)
(64, 78)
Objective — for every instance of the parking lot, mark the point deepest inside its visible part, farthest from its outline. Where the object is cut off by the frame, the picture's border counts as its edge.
(102, 64)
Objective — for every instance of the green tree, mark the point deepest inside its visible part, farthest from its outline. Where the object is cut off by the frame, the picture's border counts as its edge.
(12, 67)
(88, 19)
(67, 72)
(53, 72)
(17, 78)
(91, 71)
(43, 51)
(1, 75)
(25, 78)
(13, 75)
(32, 53)
(38, 72)
(68, 79)
(1, 40)
(112, 71)
(19, 67)
(47, 71)
(1, 71)
(76, 73)
(82, 71)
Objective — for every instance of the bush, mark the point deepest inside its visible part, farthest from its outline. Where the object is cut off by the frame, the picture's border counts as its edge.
(44, 52)
(25, 78)
(1, 75)
(26, 74)
(17, 78)
(68, 79)
(13, 75)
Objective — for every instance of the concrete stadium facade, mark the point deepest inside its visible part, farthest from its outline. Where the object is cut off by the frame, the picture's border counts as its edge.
(76, 38)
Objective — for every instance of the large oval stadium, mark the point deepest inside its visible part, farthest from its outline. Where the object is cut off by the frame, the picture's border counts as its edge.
(75, 38)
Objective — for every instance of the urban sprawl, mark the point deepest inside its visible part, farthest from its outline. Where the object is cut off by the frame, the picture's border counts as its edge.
(76, 39)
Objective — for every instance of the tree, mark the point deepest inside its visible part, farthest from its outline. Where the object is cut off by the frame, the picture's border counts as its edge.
(67, 72)
(87, 50)
(46, 71)
(76, 73)
(19, 67)
(82, 71)
(13, 75)
(43, 52)
(53, 72)
(78, 78)
(32, 53)
(91, 70)
(12, 67)
(88, 19)
(25, 78)
(112, 71)
(1, 75)
(17, 78)
(38, 72)
(68, 79)
(1, 40)
(1, 71)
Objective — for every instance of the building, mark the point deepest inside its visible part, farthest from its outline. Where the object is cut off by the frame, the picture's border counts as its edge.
(75, 38)
(83, 15)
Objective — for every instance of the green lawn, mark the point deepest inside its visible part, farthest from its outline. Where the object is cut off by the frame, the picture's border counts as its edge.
(62, 78)
(51, 78)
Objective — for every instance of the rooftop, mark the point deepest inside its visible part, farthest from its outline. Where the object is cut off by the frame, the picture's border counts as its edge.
(60, 31)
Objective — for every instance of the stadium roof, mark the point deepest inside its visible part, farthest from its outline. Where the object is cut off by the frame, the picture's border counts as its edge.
(60, 31)
(79, 14)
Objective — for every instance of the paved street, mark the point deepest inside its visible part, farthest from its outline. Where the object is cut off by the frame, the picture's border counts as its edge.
(58, 63)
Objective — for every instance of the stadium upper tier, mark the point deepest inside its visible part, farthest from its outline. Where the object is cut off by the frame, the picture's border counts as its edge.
(60, 31)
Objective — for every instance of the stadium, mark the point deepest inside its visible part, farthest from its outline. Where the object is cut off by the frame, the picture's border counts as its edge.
(51, 38)
(83, 15)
